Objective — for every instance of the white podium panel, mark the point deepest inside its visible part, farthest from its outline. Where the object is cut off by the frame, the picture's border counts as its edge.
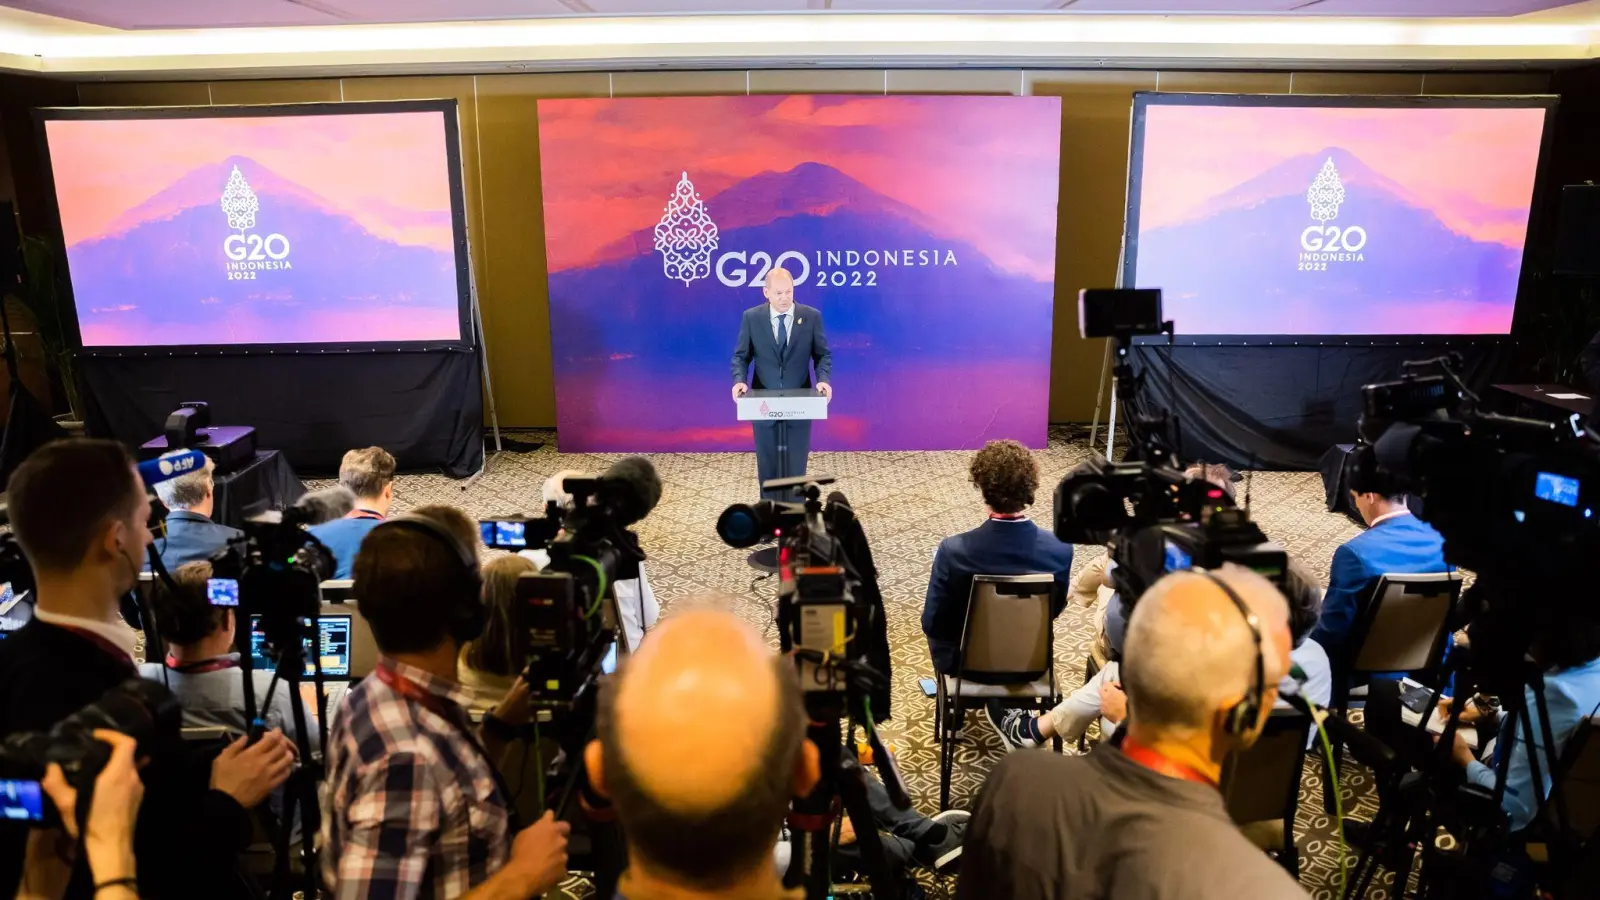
(777, 406)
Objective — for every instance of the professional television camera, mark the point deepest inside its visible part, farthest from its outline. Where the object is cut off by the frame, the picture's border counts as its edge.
(1515, 500)
(141, 709)
(824, 621)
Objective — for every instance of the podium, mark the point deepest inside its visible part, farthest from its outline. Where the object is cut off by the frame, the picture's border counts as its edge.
(782, 406)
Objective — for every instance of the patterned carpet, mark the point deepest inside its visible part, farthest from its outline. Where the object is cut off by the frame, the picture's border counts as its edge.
(907, 502)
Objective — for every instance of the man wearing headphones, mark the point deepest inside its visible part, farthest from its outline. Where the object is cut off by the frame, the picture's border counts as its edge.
(1142, 817)
(413, 804)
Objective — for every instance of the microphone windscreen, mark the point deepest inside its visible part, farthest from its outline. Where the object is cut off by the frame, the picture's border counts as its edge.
(326, 505)
(632, 488)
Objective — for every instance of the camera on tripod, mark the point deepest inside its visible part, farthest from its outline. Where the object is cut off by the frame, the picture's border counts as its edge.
(275, 572)
(568, 608)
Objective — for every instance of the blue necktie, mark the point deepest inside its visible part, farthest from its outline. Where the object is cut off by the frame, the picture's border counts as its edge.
(783, 332)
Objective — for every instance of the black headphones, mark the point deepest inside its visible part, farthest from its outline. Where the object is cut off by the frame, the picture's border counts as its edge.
(1242, 716)
(467, 613)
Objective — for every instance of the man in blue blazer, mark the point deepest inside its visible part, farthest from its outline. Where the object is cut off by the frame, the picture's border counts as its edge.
(1395, 542)
(784, 339)
(191, 535)
(1008, 543)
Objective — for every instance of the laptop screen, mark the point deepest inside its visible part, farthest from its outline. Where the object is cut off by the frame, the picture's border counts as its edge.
(334, 649)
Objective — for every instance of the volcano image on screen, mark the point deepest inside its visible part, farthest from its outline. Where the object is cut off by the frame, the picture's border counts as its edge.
(1335, 221)
(258, 230)
(895, 215)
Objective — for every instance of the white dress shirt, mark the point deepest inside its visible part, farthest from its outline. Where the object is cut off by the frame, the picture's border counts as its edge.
(118, 633)
(773, 314)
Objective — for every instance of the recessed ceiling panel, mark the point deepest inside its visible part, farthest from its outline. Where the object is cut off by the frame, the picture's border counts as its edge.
(135, 14)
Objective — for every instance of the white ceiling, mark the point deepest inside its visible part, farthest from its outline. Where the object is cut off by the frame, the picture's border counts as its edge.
(168, 14)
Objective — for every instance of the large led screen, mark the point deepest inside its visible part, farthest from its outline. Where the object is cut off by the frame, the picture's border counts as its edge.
(922, 229)
(1332, 216)
(218, 227)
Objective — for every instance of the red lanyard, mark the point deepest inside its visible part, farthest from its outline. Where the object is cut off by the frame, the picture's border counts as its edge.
(101, 642)
(1008, 517)
(1156, 762)
(199, 667)
(366, 514)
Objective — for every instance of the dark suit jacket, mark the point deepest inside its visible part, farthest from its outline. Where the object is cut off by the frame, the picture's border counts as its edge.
(189, 836)
(808, 343)
(997, 547)
(192, 537)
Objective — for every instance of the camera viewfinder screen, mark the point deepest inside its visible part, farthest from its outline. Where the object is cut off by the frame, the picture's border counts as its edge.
(1332, 216)
(1177, 558)
(508, 535)
(218, 228)
(1556, 488)
(222, 591)
(21, 801)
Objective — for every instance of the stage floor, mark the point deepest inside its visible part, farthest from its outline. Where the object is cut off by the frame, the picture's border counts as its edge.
(907, 502)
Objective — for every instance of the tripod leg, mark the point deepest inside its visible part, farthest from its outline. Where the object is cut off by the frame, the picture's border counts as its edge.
(853, 790)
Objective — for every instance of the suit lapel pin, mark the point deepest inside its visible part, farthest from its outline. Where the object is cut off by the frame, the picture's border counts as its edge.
(799, 321)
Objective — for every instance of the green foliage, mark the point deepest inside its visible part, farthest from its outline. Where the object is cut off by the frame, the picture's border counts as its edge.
(40, 291)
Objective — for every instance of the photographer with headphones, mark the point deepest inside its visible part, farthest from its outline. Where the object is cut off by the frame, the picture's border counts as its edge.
(413, 804)
(1141, 817)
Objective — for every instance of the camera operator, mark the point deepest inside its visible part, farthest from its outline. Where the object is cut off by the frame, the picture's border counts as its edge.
(413, 805)
(1145, 819)
(701, 817)
(1395, 542)
(191, 534)
(80, 513)
(200, 669)
(107, 837)
(1008, 543)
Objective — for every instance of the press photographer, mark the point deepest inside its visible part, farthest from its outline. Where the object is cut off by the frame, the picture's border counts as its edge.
(105, 834)
(79, 512)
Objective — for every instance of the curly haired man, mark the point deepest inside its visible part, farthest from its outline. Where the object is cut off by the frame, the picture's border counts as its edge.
(1007, 543)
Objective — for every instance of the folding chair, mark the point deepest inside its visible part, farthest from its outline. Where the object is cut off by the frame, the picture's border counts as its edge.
(1403, 628)
(1261, 785)
(1577, 787)
(1007, 654)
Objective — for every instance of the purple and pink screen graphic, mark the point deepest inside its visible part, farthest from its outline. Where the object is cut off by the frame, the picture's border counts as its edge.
(922, 228)
(1283, 220)
(277, 229)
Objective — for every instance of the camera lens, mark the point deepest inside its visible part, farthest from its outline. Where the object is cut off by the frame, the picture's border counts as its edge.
(739, 526)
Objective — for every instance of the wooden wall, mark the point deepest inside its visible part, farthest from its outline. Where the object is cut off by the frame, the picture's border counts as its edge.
(501, 160)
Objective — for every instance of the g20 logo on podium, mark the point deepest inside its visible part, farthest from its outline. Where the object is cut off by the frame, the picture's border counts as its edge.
(249, 253)
(1325, 243)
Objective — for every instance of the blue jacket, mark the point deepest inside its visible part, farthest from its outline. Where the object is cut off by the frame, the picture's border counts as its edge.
(192, 537)
(344, 537)
(1402, 545)
(997, 547)
(808, 343)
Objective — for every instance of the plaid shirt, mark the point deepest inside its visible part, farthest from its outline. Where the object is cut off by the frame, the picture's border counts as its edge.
(411, 807)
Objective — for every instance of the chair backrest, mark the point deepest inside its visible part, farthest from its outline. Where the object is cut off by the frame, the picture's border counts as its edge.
(1578, 782)
(1406, 623)
(337, 600)
(1007, 635)
(155, 648)
(1263, 782)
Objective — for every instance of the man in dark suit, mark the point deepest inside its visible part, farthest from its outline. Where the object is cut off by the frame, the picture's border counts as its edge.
(1007, 544)
(191, 535)
(1395, 542)
(783, 338)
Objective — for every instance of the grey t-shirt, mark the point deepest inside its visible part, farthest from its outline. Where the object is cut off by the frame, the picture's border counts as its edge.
(1053, 827)
(217, 698)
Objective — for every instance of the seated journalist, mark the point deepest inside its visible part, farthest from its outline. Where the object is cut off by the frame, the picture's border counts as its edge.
(369, 474)
(190, 533)
(81, 516)
(202, 669)
(413, 805)
(491, 663)
(1008, 543)
(1395, 542)
(1142, 818)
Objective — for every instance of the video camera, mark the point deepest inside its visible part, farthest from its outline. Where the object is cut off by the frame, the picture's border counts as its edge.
(143, 710)
(570, 623)
(276, 569)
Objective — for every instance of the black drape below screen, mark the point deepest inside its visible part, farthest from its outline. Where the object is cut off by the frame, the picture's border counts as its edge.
(425, 408)
(1276, 407)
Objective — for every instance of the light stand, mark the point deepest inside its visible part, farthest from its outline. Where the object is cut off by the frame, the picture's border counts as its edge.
(483, 359)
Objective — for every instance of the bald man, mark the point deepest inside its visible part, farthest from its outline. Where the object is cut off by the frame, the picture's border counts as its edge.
(702, 813)
(1143, 820)
(783, 339)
